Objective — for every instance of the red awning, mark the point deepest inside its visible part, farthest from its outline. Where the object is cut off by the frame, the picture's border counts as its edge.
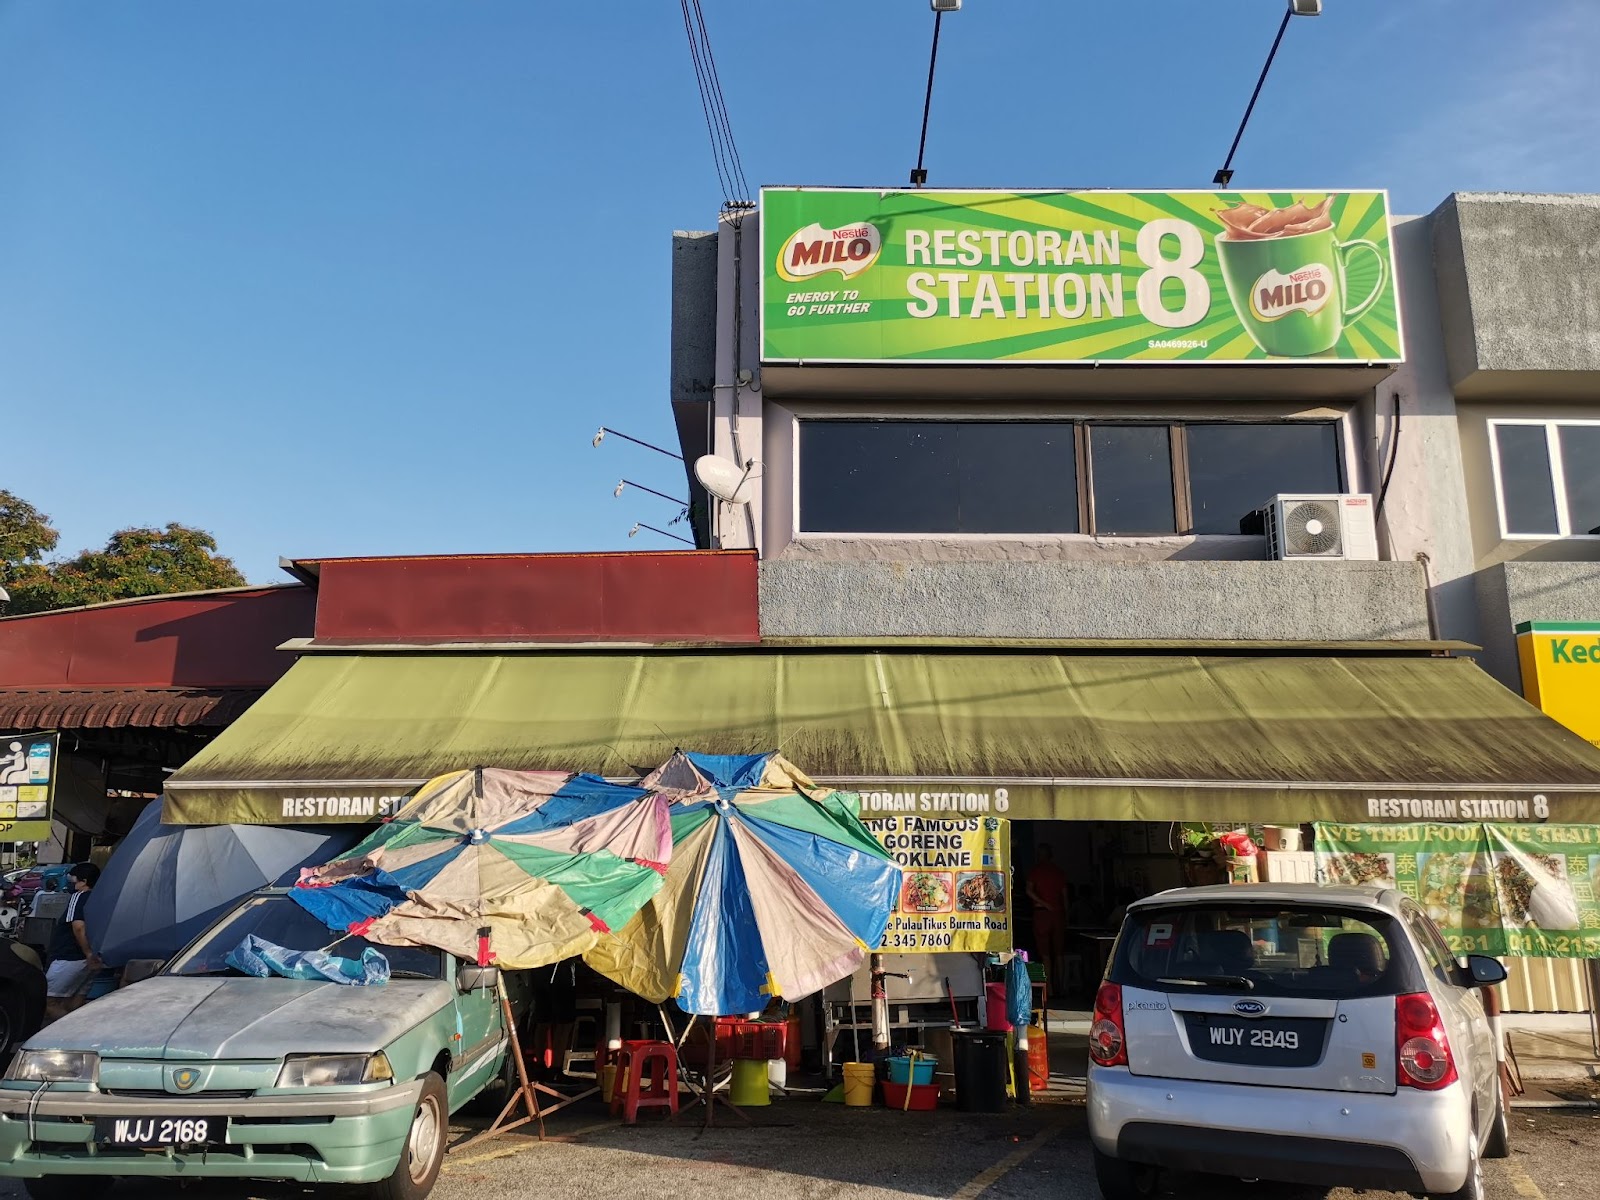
(123, 708)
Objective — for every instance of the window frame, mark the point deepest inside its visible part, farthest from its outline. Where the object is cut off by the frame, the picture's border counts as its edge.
(1178, 445)
(1558, 477)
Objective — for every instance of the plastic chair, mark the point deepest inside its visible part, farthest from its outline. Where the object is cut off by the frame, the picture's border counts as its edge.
(635, 1061)
(582, 1048)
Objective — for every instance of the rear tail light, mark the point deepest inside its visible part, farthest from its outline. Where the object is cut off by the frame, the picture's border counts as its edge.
(1422, 1050)
(1108, 1044)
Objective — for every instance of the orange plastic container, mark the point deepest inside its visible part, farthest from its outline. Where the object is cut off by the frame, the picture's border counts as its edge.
(1038, 1060)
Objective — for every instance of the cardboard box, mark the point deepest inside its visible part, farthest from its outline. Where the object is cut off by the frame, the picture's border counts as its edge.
(1288, 866)
(1243, 870)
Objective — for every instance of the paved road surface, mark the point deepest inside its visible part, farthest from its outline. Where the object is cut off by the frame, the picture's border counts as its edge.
(808, 1151)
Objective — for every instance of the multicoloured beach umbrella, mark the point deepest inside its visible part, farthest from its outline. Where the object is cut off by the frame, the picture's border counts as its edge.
(775, 888)
(547, 861)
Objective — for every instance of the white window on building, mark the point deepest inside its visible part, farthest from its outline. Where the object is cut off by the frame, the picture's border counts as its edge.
(1546, 477)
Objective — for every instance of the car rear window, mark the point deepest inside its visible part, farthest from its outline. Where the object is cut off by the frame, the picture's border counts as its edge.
(1273, 949)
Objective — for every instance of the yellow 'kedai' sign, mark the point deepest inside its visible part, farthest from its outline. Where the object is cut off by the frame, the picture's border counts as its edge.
(1561, 673)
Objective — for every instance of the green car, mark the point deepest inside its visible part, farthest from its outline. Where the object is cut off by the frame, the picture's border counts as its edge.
(203, 1072)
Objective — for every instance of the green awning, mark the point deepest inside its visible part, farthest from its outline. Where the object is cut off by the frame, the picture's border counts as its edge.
(1073, 736)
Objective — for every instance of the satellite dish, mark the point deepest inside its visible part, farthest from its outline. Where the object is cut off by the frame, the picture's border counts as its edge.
(723, 479)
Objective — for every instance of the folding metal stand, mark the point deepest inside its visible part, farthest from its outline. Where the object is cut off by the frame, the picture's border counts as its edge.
(707, 1095)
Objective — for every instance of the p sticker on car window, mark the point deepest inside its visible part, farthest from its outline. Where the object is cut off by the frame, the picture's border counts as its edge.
(1159, 934)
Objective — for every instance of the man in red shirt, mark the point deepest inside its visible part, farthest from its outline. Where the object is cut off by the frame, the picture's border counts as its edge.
(1047, 888)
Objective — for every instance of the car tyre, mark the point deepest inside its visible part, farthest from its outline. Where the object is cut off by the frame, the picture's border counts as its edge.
(1499, 1143)
(1474, 1188)
(423, 1154)
(495, 1093)
(1120, 1180)
(68, 1187)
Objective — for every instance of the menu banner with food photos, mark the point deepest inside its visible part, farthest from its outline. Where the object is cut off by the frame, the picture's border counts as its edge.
(867, 275)
(956, 891)
(1519, 890)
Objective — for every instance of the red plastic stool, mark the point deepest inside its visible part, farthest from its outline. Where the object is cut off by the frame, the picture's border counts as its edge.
(622, 1060)
(658, 1060)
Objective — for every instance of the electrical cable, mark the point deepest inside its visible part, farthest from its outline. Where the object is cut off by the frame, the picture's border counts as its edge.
(714, 107)
(712, 130)
(1394, 453)
(722, 106)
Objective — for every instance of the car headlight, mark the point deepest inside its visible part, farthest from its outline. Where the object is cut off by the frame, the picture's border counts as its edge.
(323, 1070)
(55, 1066)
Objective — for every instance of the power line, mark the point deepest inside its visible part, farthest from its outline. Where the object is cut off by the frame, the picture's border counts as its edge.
(714, 107)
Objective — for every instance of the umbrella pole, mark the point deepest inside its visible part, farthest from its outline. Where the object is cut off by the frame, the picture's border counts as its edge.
(526, 1090)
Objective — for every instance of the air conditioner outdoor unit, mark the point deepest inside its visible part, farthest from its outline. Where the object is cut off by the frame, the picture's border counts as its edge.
(1334, 527)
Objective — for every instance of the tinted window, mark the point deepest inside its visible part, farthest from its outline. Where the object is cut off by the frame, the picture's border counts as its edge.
(1236, 469)
(1580, 462)
(1440, 960)
(1265, 949)
(1530, 497)
(1131, 466)
(938, 477)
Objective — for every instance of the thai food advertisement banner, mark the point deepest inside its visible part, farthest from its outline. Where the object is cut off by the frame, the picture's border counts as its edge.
(956, 890)
(869, 276)
(1519, 890)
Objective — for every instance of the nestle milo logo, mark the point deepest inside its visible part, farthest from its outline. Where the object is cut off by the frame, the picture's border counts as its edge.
(1305, 289)
(813, 251)
(1563, 651)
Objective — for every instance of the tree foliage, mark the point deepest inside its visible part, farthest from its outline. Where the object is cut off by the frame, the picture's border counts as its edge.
(134, 562)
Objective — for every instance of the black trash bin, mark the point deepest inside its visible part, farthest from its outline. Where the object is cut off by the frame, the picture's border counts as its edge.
(980, 1070)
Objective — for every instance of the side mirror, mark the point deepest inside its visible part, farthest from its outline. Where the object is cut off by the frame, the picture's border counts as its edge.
(1484, 971)
(472, 978)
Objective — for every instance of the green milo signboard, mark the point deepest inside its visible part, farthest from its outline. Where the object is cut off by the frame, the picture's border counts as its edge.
(1521, 890)
(866, 276)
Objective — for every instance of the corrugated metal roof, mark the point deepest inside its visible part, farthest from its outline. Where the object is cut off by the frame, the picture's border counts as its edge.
(123, 708)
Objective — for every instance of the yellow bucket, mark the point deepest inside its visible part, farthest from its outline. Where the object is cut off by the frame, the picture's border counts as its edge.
(859, 1080)
(749, 1086)
(608, 1080)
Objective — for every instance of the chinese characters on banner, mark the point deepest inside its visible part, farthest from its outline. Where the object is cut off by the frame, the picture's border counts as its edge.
(956, 893)
(1520, 890)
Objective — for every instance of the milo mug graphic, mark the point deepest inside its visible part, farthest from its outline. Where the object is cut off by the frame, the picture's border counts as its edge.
(1285, 270)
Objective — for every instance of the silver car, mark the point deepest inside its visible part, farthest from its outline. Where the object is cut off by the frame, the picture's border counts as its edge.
(1320, 1035)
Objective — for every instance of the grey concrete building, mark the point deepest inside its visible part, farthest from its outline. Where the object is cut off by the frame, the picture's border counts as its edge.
(1501, 320)
(1125, 490)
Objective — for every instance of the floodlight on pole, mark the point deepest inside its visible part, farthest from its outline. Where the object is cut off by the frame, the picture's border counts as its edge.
(1294, 8)
(604, 429)
(638, 525)
(919, 176)
(628, 483)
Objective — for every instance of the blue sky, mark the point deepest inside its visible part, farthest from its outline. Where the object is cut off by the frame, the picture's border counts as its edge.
(333, 277)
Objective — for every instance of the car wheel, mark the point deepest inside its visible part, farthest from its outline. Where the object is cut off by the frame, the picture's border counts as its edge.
(1474, 1188)
(423, 1154)
(68, 1187)
(1498, 1144)
(1120, 1180)
(13, 1019)
(495, 1093)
